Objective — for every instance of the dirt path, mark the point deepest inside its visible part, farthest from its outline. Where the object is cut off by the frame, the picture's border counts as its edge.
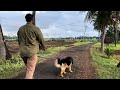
(82, 68)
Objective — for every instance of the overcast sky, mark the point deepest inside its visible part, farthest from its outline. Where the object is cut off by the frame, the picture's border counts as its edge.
(51, 23)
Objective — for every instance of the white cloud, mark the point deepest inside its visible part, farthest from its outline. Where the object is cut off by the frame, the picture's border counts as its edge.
(42, 11)
(4, 11)
(52, 23)
(54, 31)
(5, 32)
(37, 11)
(69, 31)
(25, 12)
(8, 33)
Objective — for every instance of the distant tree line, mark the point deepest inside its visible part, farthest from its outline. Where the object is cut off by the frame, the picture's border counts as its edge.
(60, 38)
(10, 37)
(72, 38)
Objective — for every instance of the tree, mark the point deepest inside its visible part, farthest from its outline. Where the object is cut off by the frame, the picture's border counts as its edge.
(109, 38)
(97, 28)
(116, 18)
(4, 52)
(101, 20)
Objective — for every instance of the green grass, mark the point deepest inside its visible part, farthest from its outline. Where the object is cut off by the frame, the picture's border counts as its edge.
(112, 47)
(82, 43)
(105, 67)
(10, 68)
(14, 66)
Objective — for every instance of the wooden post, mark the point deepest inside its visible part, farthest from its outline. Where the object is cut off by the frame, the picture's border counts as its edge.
(34, 12)
(4, 52)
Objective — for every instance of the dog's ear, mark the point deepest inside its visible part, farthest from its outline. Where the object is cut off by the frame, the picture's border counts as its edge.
(58, 60)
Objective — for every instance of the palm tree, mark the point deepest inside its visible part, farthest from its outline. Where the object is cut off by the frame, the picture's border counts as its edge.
(101, 20)
(34, 12)
(97, 29)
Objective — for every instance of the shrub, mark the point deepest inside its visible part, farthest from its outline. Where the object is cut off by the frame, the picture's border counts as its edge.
(108, 52)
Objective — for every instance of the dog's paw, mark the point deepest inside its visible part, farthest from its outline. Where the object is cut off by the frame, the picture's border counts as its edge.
(61, 75)
(71, 71)
(64, 72)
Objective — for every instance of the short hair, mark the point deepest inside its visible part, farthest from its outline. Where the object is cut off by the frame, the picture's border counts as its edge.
(29, 17)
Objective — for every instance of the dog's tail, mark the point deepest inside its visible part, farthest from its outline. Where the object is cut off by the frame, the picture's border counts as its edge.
(56, 63)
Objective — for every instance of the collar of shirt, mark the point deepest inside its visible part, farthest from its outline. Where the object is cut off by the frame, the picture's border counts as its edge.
(29, 23)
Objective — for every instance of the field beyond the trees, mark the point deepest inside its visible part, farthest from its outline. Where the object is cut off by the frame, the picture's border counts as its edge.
(14, 47)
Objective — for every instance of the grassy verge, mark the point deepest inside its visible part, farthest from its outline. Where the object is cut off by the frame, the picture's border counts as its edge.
(105, 67)
(10, 68)
(81, 43)
(14, 66)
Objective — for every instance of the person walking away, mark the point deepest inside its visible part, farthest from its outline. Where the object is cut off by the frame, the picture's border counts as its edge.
(30, 40)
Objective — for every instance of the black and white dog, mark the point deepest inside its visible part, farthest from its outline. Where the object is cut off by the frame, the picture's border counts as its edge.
(63, 64)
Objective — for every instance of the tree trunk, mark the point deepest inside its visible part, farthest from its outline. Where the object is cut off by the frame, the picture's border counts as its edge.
(2, 46)
(102, 40)
(4, 52)
(34, 12)
(99, 36)
(115, 32)
(115, 37)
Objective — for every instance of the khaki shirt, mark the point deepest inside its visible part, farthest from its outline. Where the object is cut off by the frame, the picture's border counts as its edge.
(29, 39)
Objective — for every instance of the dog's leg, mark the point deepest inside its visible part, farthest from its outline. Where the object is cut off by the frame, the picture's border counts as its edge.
(70, 68)
(63, 67)
(61, 73)
(64, 72)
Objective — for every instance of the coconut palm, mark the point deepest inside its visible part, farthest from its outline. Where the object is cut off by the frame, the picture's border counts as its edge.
(97, 29)
(101, 20)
